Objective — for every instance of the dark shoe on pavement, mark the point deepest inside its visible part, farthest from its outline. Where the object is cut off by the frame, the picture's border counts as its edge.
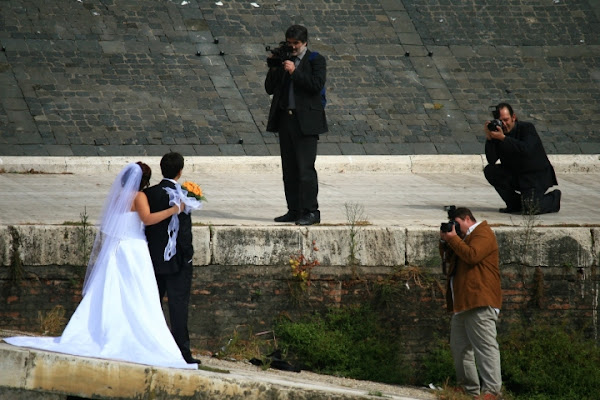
(509, 210)
(192, 360)
(310, 218)
(557, 195)
(290, 216)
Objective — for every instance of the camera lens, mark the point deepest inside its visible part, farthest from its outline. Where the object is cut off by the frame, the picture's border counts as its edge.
(494, 125)
(447, 227)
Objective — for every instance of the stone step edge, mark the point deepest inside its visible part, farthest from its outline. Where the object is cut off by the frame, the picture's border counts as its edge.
(563, 163)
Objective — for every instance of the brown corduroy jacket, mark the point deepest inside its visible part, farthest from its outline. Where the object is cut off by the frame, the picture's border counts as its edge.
(473, 269)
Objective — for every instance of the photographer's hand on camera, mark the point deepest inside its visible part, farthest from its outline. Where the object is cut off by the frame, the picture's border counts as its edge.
(445, 236)
(493, 134)
(289, 66)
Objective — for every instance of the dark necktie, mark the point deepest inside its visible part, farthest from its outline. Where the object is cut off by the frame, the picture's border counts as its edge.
(285, 89)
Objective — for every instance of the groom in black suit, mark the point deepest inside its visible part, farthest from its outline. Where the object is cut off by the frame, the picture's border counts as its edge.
(174, 277)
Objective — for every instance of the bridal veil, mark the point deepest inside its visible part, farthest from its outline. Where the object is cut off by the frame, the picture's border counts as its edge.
(112, 230)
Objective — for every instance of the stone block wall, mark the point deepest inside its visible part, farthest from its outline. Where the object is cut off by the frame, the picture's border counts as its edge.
(243, 281)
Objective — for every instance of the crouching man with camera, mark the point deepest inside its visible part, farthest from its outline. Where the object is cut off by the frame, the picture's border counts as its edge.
(296, 79)
(524, 173)
(473, 295)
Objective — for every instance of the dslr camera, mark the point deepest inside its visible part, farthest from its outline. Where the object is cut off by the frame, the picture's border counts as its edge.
(447, 226)
(494, 125)
(496, 122)
(280, 54)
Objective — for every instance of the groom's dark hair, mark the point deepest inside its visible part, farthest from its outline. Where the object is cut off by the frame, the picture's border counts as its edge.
(171, 164)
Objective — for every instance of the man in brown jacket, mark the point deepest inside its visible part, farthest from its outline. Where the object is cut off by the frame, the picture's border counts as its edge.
(474, 296)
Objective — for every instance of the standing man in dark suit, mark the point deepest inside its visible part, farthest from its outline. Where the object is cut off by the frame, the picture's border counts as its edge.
(524, 173)
(298, 114)
(173, 276)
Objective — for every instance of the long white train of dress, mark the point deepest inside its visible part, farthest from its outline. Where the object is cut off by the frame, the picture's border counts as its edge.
(120, 317)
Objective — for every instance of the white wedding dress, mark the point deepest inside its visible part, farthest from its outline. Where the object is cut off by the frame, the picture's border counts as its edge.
(120, 316)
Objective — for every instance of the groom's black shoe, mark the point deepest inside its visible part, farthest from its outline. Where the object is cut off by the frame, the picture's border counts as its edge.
(192, 360)
(556, 203)
(290, 216)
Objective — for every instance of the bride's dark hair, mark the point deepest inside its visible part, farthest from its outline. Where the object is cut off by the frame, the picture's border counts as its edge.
(146, 174)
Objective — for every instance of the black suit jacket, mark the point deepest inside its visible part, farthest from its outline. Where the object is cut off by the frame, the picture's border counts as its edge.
(523, 155)
(308, 79)
(157, 234)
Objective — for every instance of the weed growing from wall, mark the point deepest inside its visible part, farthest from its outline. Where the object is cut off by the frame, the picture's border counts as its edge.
(355, 215)
(16, 271)
(530, 221)
(84, 238)
(84, 233)
(301, 267)
(53, 322)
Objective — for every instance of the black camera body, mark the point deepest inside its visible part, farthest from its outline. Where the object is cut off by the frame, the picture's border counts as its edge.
(496, 122)
(447, 226)
(494, 125)
(280, 54)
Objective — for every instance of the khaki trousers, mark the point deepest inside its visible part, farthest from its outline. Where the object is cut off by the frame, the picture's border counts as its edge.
(474, 347)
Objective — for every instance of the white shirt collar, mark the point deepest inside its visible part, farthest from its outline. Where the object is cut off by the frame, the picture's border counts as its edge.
(471, 228)
(170, 180)
(301, 55)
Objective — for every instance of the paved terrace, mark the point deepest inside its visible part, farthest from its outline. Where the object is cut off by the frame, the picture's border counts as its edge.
(408, 191)
(131, 78)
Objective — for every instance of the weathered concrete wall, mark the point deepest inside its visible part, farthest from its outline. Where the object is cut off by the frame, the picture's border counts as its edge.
(242, 277)
(374, 245)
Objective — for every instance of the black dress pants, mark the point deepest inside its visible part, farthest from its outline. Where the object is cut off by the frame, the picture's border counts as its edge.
(177, 287)
(532, 199)
(298, 155)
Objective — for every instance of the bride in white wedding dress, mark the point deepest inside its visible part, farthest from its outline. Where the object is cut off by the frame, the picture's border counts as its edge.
(120, 315)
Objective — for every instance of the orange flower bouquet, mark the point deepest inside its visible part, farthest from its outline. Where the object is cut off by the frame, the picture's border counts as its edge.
(193, 190)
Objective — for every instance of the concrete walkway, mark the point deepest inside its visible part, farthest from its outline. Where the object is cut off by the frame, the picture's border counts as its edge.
(387, 190)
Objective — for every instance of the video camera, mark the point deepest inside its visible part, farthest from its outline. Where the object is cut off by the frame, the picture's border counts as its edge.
(496, 122)
(447, 226)
(280, 54)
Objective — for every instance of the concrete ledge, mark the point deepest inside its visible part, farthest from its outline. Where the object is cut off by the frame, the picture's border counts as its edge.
(330, 245)
(564, 164)
(557, 247)
(424, 164)
(247, 164)
(374, 246)
(54, 373)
